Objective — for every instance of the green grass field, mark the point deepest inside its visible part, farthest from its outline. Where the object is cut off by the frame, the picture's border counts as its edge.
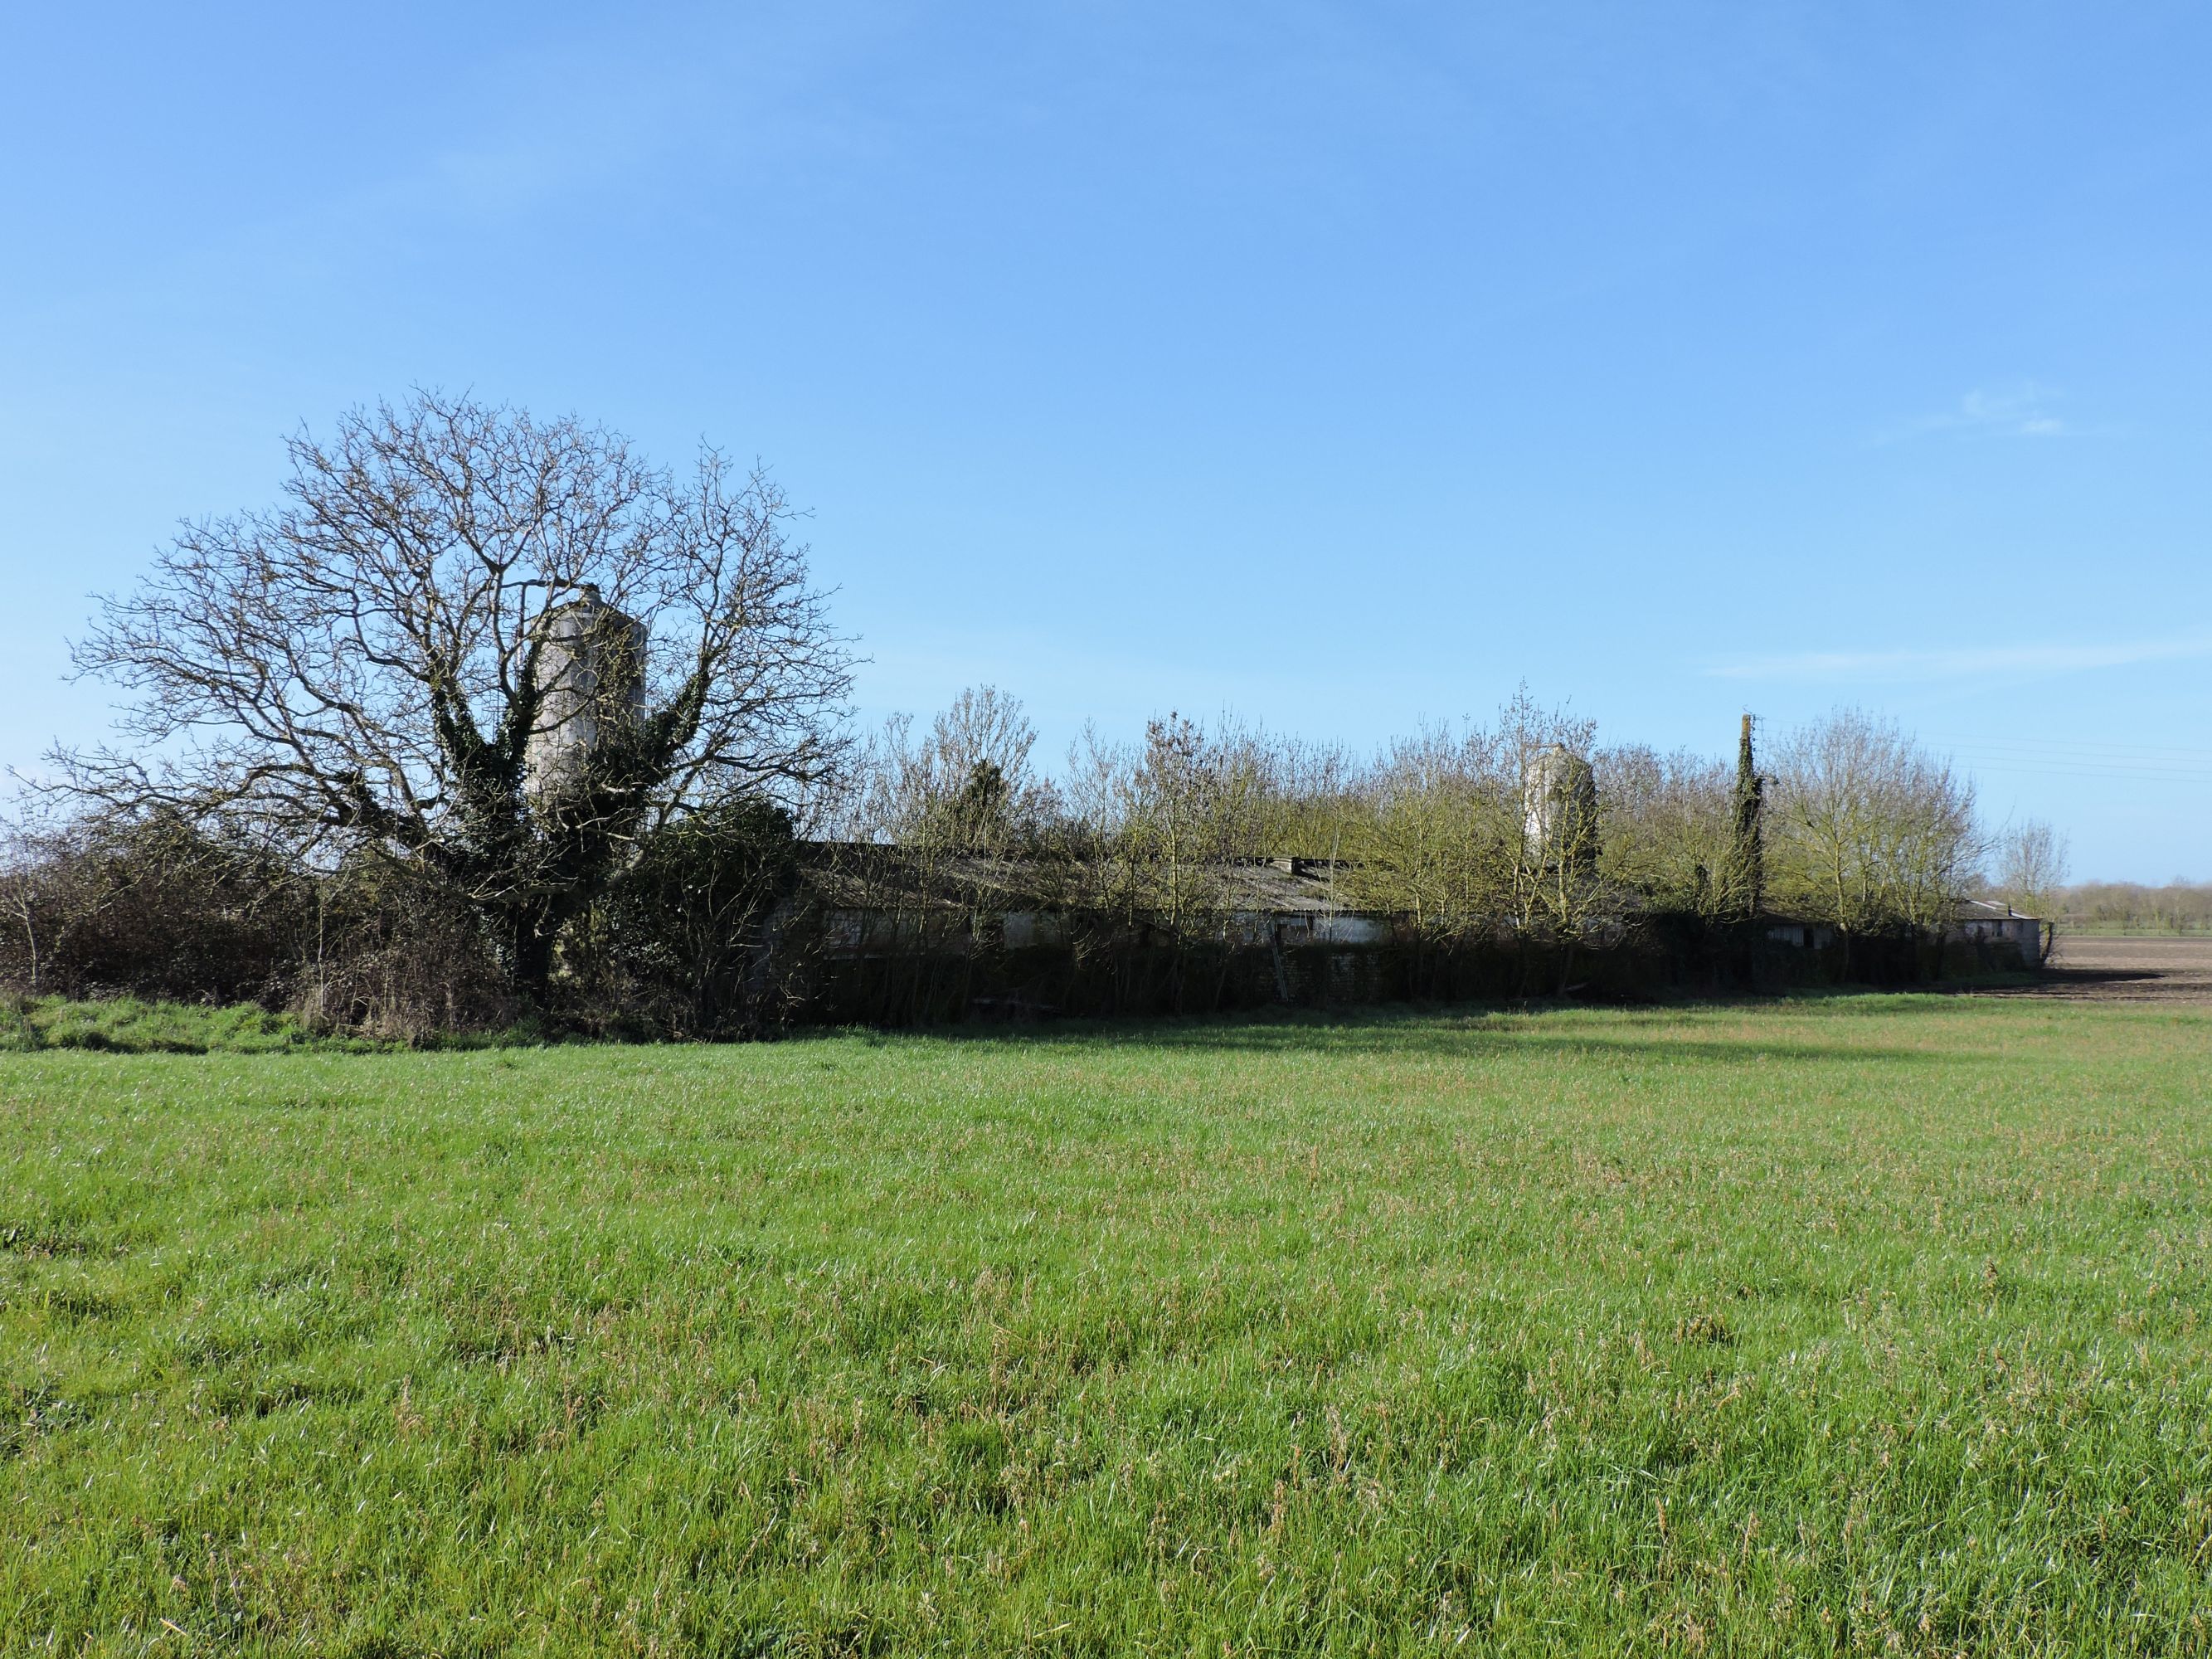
(1859, 1325)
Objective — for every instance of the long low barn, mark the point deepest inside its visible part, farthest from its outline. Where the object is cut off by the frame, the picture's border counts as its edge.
(879, 898)
(875, 898)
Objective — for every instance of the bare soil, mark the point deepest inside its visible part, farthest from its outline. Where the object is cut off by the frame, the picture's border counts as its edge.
(2143, 970)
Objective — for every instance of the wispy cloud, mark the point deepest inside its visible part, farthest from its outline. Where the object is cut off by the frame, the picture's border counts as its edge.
(2023, 410)
(1960, 662)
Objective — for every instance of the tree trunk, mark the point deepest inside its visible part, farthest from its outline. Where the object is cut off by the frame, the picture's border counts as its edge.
(530, 956)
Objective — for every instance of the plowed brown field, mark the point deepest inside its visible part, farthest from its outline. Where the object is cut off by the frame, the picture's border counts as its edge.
(2172, 970)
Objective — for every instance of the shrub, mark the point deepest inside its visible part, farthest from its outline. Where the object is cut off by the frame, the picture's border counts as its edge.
(152, 905)
(685, 942)
(397, 954)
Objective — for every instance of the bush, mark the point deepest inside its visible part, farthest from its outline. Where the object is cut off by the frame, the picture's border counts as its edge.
(155, 909)
(684, 944)
(398, 955)
(151, 904)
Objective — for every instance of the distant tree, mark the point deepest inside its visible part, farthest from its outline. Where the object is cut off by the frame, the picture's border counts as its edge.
(1562, 822)
(2179, 907)
(965, 785)
(1185, 800)
(1666, 828)
(1154, 827)
(1743, 876)
(1562, 834)
(1437, 835)
(367, 668)
(1471, 832)
(1876, 835)
(2031, 873)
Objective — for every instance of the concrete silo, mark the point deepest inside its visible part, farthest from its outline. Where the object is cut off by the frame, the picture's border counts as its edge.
(1558, 810)
(591, 680)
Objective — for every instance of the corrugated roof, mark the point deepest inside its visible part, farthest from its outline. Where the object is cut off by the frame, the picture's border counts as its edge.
(860, 874)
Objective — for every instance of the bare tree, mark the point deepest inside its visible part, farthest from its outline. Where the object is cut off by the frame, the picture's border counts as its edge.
(967, 784)
(369, 665)
(1294, 794)
(1155, 826)
(922, 829)
(1556, 881)
(2031, 873)
(1184, 798)
(1478, 831)
(1438, 839)
(1667, 831)
(1875, 834)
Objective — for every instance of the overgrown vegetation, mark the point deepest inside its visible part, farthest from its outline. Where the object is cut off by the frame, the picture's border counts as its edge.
(1529, 828)
(485, 657)
(492, 720)
(1837, 1326)
(1527, 843)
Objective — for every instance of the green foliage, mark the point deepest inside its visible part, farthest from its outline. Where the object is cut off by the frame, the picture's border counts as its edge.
(1743, 877)
(680, 943)
(1846, 1325)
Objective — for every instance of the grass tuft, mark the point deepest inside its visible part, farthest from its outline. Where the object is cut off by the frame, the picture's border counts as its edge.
(127, 1025)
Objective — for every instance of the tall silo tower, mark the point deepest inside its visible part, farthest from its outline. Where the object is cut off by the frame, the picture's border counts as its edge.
(1558, 810)
(591, 679)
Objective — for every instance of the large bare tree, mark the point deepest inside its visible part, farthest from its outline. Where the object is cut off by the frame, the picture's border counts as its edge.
(377, 664)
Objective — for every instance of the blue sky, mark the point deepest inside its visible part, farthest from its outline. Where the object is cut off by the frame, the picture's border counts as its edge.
(1346, 366)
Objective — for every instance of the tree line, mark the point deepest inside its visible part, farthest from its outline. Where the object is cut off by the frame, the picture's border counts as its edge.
(2176, 907)
(490, 717)
(1526, 822)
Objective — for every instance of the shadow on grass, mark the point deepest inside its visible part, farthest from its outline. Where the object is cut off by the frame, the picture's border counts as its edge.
(1478, 1044)
(1457, 1032)
(2086, 985)
(1467, 1030)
